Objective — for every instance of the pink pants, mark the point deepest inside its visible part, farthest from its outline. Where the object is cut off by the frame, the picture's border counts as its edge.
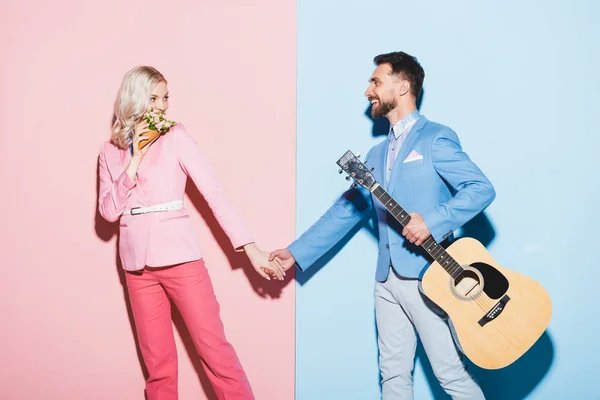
(190, 288)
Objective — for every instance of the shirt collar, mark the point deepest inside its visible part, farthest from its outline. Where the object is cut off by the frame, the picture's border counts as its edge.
(404, 124)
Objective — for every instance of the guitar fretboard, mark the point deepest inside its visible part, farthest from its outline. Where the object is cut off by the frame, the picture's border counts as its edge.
(435, 251)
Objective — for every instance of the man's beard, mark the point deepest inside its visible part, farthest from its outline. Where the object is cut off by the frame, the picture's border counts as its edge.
(383, 109)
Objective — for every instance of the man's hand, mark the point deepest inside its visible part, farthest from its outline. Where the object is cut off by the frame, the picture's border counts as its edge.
(416, 231)
(284, 257)
(262, 266)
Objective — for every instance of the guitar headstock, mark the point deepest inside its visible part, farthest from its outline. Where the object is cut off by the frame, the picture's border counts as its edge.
(350, 164)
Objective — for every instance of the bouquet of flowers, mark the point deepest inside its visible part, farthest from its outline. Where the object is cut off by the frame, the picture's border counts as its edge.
(158, 124)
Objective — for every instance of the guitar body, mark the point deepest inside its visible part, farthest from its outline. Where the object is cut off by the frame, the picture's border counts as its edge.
(497, 314)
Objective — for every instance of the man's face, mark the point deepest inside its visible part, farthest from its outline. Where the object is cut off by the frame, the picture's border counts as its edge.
(382, 91)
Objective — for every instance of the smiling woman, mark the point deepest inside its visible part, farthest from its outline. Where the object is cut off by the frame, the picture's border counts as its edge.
(143, 186)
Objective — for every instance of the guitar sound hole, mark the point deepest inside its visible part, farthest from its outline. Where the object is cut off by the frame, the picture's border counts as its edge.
(468, 285)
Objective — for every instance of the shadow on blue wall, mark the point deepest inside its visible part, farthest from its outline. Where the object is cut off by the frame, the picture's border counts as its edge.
(368, 223)
(514, 382)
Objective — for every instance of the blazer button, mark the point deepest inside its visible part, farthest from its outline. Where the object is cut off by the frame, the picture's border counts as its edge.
(387, 246)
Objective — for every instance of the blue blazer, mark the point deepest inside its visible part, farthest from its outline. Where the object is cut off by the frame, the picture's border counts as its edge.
(445, 187)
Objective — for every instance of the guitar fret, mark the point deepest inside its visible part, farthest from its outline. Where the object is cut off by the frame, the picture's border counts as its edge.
(404, 217)
(384, 197)
(430, 246)
(392, 206)
(456, 270)
(439, 254)
(458, 267)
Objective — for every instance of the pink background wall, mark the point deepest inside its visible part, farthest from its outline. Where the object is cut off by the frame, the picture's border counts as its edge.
(65, 330)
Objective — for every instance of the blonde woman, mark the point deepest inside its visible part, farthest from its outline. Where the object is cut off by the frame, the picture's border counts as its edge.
(158, 245)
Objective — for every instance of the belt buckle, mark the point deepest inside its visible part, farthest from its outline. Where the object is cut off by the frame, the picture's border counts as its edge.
(133, 212)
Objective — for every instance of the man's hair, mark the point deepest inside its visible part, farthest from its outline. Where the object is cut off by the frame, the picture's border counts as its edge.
(406, 66)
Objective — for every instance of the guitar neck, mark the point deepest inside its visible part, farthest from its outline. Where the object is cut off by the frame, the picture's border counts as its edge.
(431, 247)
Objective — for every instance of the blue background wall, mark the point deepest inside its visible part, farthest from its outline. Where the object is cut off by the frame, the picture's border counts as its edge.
(518, 82)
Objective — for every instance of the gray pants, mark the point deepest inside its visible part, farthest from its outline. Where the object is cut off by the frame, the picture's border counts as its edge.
(402, 312)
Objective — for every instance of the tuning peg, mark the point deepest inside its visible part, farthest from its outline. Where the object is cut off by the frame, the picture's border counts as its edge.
(347, 178)
(372, 169)
(357, 155)
(340, 171)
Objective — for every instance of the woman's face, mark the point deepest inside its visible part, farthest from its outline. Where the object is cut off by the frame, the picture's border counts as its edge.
(159, 99)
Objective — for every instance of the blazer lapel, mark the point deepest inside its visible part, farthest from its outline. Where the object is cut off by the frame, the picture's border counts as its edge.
(404, 150)
(377, 160)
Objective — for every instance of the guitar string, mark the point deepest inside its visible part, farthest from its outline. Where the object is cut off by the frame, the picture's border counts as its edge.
(462, 285)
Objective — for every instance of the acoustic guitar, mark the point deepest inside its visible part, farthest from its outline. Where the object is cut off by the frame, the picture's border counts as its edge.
(497, 314)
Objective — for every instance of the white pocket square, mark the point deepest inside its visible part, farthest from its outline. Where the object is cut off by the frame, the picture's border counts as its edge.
(413, 156)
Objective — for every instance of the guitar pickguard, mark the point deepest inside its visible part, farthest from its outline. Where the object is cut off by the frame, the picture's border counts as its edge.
(495, 285)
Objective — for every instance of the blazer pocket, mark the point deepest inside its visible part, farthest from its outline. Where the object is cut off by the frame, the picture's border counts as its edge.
(177, 217)
(414, 163)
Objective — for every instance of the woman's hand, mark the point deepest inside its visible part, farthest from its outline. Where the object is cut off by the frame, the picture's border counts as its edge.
(138, 135)
(136, 158)
(260, 262)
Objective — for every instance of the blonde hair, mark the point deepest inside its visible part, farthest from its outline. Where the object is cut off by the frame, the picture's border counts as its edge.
(132, 102)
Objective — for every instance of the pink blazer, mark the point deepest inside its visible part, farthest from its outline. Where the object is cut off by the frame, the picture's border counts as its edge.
(168, 237)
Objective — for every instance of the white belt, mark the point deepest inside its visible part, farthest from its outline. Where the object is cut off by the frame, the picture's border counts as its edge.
(173, 205)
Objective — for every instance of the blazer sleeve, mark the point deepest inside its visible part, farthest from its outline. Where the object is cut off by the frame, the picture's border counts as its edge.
(197, 168)
(113, 194)
(473, 191)
(349, 209)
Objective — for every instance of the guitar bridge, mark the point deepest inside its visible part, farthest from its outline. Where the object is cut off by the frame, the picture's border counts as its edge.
(495, 311)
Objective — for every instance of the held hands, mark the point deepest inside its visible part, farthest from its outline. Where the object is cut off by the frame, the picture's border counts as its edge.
(284, 257)
(416, 231)
(261, 263)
